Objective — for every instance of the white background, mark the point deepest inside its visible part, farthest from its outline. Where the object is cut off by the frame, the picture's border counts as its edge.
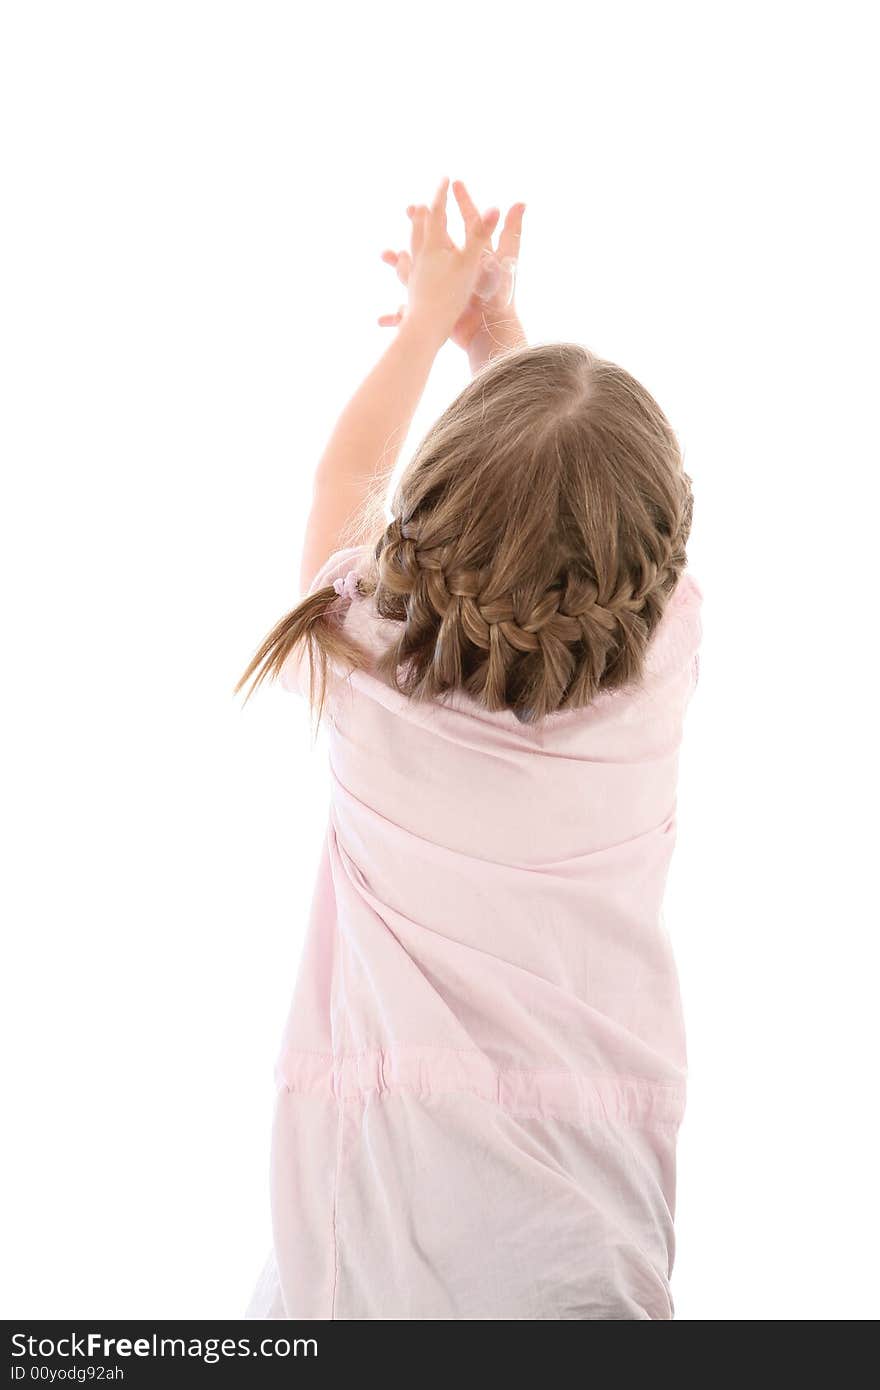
(196, 195)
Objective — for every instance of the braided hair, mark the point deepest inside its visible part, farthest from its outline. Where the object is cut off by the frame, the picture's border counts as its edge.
(535, 538)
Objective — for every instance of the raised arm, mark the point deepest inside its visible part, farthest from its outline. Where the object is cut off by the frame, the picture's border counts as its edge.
(365, 444)
(489, 323)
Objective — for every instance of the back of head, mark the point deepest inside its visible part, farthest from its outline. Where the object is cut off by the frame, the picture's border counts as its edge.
(536, 536)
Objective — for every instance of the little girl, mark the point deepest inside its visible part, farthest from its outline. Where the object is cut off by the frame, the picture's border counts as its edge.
(483, 1071)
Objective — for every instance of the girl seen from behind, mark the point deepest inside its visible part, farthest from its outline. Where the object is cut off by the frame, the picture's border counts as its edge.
(483, 1071)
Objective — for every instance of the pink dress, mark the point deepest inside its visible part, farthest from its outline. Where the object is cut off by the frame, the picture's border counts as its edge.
(483, 1072)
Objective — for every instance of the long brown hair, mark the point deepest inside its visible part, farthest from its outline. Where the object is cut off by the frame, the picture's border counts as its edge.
(536, 536)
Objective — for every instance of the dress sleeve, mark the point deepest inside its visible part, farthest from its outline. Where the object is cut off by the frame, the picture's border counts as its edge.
(294, 674)
(675, 646)
(692, 625)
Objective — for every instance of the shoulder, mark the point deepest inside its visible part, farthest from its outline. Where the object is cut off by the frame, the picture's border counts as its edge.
(676, 641)
(688, 591)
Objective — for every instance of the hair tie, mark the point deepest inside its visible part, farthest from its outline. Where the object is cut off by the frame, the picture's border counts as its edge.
(347, 586)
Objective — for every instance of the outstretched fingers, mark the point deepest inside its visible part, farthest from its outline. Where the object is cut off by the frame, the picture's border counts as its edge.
(436, 230)
(479, 238)
(401, 261)
(418, 215)
(429, 230)
(511, 233)
(467, 207)
(477, 229)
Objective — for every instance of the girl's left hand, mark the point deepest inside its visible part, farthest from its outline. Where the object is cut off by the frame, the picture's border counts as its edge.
(440, 277)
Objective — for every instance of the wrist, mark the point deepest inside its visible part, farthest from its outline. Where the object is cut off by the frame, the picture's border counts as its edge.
(493, 338)
(423, 331)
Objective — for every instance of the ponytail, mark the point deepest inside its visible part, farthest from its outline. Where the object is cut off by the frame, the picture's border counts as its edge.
(315, 629)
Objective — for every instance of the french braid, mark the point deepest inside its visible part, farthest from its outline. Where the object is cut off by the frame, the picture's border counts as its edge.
(535, 539)
(533, 650)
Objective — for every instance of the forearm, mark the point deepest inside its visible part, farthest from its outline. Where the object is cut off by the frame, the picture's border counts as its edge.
(370, 431)
(366, 442)
(492, 338)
